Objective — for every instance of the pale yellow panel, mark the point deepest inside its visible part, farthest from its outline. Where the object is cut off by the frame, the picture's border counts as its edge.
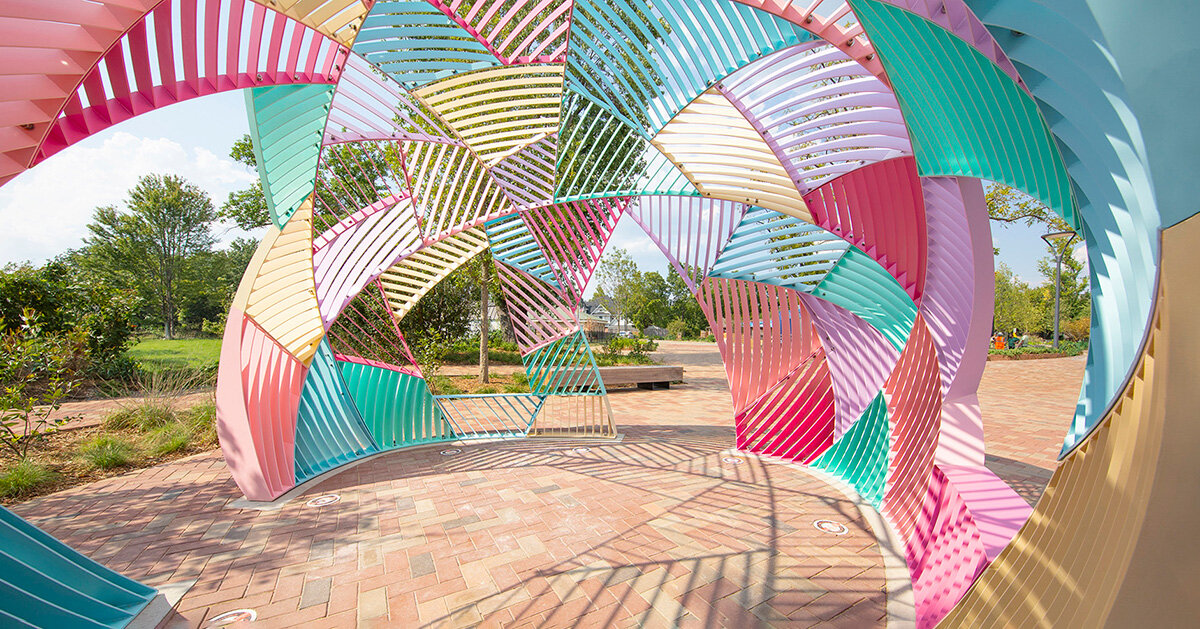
(410, 279)
(726, 158)
(338, 19)
(1111, 541)
(498, 111)
(278, 290)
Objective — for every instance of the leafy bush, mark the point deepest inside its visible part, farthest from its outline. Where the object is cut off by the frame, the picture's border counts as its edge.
(23, 479)
(37, 371)
(442, 385)
(1066, 348)
(1078, 329)
(676, 329)
(106, 452)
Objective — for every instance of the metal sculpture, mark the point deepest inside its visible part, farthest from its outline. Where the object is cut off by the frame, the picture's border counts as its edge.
(809, 168)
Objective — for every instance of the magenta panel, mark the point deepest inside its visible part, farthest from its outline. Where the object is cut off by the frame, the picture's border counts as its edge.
(879, 208)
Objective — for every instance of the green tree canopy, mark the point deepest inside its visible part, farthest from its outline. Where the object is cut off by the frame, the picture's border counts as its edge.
(149, 245)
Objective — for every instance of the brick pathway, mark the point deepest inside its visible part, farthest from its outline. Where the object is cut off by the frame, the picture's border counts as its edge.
(654, 530)
(1027, 406)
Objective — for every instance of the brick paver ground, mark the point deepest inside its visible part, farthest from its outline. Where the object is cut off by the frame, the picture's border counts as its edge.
(654, 530)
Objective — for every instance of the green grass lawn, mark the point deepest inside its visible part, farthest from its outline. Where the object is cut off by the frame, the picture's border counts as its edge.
(158, 354)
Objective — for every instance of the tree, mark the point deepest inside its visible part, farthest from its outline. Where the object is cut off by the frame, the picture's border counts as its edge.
(683, 304)
(617, 275)
(1014, 303)
(247, 208)
(649, 304)
(1008, 205)
(486, 282)
(149, 246)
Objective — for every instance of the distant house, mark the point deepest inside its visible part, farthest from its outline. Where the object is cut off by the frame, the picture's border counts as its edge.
(494, 322)
(655, 332)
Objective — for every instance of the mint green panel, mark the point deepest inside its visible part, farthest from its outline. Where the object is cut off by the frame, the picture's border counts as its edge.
(329, 430)
(45, 583)
(964, 115)
(397, 407)
(860, 456)
(286, 125)
(858, 284)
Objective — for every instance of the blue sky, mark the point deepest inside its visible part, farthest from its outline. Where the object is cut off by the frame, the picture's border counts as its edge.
(44, 211)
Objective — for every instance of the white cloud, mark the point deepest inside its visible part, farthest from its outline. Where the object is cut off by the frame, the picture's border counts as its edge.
(45, 210)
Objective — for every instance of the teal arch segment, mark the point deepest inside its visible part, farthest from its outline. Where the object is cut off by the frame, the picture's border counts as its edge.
(600, 153)
(644, 61)
(416, 43)
(1070, 67)
(772, 247)
(286, 125)
(858, 284)
(563, 366)
(329, 430)
(398, 408)
(964, 115)
(44, 583)
(860, 457)
(513, 244)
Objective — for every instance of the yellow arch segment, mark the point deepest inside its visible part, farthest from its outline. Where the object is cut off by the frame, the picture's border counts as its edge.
(410, 279)
(499, 111)
(726, 158)
(337, 19)
(278, 290)
(1119, 507)
(451, 187)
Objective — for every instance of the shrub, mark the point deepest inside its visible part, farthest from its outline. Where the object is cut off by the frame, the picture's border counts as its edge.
(37, 370)
(521, 378)
(23, 478)
(170, 438)
(442, 385)
(676, 329)
(106, 452)
(1076, 330)
(201, 421)
(147, 415)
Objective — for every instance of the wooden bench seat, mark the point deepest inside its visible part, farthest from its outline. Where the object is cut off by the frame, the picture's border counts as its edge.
(644, 376)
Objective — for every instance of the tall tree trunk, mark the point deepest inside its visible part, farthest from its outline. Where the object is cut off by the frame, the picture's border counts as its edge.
(485, 324)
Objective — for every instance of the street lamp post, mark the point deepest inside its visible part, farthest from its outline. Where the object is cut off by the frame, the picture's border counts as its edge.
(1050, 238)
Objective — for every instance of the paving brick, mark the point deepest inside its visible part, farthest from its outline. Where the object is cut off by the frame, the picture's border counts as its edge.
(653, 530)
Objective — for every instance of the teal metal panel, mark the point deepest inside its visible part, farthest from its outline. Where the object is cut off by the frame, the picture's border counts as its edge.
(1071, 67)
(329, 430)
(416, 43)
(397, 408)
(513, 244)
(860, 457)
(44, 583)
(771, 247)
(286, 125)
(858, 284)
(965, 116)
(644, 61)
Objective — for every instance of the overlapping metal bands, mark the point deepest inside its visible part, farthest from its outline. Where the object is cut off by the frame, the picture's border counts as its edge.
(810, 168)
